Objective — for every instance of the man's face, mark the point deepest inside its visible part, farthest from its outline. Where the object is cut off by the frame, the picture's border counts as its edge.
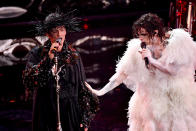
(55, 33)
(143, 35)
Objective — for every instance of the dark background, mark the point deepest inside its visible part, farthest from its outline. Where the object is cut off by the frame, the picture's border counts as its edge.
(99, 56)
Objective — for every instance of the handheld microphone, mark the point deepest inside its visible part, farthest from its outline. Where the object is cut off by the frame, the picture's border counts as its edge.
(143, 46)
(58, 40)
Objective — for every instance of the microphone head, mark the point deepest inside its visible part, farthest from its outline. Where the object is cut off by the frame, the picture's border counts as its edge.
(54, 51)
(143, 45)
(58, 40)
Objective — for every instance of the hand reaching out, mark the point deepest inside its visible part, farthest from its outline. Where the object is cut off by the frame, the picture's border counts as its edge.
(96, 92)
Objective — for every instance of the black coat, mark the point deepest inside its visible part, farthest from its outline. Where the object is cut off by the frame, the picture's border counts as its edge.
(77, 104)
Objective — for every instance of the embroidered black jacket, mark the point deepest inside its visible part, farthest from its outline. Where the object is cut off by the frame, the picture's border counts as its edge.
(77, 104)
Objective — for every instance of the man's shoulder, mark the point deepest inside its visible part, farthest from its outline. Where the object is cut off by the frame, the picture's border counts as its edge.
(36, 51)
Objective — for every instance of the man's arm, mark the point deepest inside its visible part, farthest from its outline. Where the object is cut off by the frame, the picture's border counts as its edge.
(37, 69)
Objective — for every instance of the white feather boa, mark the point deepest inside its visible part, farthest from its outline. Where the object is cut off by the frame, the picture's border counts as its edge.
(180, 48)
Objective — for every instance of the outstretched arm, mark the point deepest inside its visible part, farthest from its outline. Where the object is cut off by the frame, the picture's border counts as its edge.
(115, 80)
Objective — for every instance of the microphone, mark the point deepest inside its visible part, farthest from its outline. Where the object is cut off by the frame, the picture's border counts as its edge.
(143, 46)
(58, 40)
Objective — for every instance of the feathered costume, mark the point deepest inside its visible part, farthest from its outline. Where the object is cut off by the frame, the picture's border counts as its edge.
(161, 101)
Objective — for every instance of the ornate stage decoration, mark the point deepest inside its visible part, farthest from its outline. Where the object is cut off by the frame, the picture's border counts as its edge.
(183, 15)
(11, 12)
(14, 51)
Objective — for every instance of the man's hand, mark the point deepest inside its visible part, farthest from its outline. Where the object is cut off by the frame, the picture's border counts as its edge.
(85, 129)
(53, 47)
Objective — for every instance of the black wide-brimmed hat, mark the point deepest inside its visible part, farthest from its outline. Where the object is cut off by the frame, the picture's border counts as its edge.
(68, 20)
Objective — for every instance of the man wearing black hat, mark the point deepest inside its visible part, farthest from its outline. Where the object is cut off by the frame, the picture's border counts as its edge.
(77, 104)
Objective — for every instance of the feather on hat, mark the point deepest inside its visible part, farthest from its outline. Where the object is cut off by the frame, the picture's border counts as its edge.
(68, 20)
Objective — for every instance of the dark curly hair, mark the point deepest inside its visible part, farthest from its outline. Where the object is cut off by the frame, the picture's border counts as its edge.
(150, 22)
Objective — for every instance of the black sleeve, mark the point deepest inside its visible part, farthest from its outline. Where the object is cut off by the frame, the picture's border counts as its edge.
(37, 69)
(89, 103)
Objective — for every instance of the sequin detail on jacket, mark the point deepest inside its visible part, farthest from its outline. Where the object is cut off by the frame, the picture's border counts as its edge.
(38, 76)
